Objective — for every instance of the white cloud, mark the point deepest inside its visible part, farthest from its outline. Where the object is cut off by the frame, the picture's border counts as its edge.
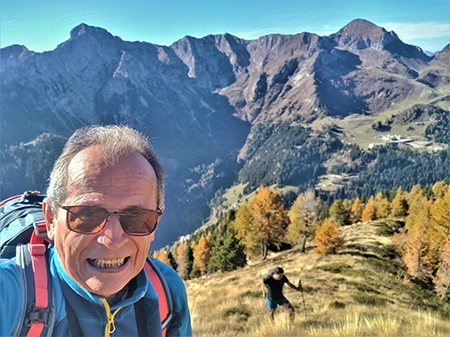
(420, 30)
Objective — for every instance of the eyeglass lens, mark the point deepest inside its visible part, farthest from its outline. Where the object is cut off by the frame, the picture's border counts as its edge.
(92, 219)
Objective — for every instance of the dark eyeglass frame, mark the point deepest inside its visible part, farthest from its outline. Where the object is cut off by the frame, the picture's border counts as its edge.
(106, 219)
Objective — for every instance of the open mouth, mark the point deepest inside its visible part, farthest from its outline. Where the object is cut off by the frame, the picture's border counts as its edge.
(107, 264)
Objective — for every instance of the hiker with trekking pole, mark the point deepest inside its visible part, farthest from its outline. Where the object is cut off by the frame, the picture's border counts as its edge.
(274, 282)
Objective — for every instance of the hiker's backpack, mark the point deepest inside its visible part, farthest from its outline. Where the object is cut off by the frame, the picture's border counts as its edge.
(23, 235)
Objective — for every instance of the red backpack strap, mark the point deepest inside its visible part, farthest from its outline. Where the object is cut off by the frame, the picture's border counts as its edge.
(39, 264)
(39, 315)
(162, 290)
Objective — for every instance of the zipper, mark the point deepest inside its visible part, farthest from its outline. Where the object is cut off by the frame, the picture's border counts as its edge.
(110, 326)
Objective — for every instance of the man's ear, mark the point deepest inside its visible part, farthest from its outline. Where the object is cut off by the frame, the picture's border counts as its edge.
(162, 207)
(49, 216)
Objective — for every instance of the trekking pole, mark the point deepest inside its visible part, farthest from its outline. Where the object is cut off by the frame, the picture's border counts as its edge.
(303, 297)
(264, 288)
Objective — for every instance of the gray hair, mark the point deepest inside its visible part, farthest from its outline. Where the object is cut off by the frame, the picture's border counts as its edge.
(117, 141)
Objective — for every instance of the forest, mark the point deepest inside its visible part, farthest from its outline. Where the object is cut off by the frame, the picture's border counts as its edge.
(288, 154)
(421, 232)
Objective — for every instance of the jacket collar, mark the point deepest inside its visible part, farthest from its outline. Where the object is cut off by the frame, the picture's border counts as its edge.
(143, 286)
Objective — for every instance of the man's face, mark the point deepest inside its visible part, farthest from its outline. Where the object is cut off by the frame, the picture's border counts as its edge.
(278, 276)
(105, 262)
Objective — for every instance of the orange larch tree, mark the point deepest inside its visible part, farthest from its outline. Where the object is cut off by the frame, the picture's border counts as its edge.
(442, 278)
(356, 210)
(440, 212)
(161, 255)
(412, 194)
(269, 218)
(440, 188)
(246, 230)
(370, 211)
(328, 238)
(383, 208)
(202, 254)
(419, 257)
(399, 206)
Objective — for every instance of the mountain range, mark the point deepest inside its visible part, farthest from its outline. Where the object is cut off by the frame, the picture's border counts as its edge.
(221, 110)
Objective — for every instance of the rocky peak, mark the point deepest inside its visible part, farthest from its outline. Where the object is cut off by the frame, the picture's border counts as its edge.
(443, 55)
(90, 37)
(361, 34)
(235, 49)
(14, 55)
(83, 28)
(208, 63)
(184, 51)
(362, 27)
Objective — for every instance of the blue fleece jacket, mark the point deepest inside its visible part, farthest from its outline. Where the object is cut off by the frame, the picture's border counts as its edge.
(91, 310)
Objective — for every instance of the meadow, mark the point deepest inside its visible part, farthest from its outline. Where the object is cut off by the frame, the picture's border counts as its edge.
(364, 290)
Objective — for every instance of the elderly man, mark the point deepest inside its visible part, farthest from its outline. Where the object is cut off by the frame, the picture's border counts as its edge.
(105, 199)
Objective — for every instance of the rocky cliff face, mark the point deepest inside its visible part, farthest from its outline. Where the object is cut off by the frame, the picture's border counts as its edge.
(201, 101)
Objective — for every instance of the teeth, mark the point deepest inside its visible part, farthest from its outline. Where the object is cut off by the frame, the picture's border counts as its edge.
(103, 264)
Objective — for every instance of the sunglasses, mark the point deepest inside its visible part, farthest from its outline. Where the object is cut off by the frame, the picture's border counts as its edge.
(92, 219)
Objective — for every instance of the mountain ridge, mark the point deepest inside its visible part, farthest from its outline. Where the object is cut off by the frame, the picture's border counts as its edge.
(210, 105)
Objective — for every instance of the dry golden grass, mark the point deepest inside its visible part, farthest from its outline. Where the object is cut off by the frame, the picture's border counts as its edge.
(362, 291)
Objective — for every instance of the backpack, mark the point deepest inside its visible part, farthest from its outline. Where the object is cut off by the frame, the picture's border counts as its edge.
(23, 235)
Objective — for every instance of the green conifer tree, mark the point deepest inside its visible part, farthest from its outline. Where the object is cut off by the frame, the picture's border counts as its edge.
(227, 252)
(339, 213)
(172, 261)
(189, 260)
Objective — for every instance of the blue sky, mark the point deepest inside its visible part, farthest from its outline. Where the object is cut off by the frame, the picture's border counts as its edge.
(42, 25)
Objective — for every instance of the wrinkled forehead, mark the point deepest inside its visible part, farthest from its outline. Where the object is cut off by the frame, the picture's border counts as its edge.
(89, 167)
(84, 166)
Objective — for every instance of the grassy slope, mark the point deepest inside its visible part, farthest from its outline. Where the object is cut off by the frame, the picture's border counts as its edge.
(358, 128)
(235, 194)
(362, 291)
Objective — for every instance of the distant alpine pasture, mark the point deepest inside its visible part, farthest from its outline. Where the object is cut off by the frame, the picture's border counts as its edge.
(347, 114)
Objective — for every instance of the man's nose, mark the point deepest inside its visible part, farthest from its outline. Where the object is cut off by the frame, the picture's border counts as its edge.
(113, 236)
